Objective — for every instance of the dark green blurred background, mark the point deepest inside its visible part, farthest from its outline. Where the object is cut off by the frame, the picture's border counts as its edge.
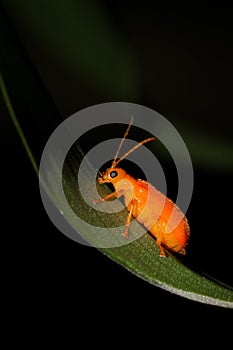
(67, 55)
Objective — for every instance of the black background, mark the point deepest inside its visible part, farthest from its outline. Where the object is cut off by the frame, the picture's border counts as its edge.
(190, 78)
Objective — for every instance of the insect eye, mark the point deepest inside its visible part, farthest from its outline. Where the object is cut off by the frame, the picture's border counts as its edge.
(113, 174)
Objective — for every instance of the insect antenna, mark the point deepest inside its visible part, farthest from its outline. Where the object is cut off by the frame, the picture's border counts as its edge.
(115, 161)
(132, 150)
(121, 143)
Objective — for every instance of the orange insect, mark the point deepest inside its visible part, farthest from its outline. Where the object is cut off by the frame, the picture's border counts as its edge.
(144, 202)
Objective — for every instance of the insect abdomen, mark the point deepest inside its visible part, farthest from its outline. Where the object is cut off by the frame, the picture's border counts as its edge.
(153, 209)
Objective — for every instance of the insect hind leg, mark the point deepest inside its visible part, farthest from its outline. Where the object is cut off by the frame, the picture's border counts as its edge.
(162, 252)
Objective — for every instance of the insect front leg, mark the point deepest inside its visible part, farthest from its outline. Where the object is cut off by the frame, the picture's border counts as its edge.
(110, 195)
(125, 234)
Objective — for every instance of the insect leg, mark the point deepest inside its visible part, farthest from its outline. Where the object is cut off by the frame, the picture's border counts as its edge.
(110, 195)
(159, 227)
(161, 250)
(125, 234)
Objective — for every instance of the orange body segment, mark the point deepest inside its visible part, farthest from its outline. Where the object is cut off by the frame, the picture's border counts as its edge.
(149, 206)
